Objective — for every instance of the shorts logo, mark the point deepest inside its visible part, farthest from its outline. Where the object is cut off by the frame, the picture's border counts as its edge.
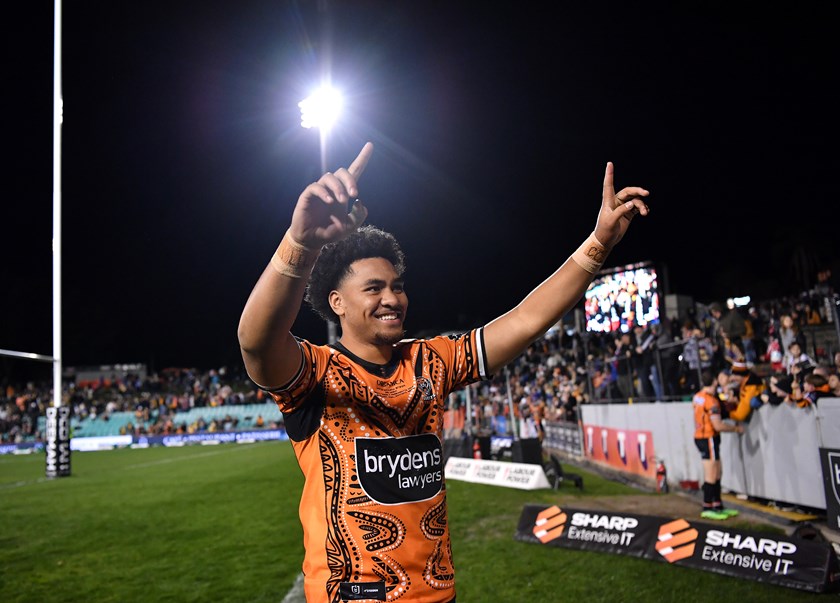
(676, 540)
(425, 387)
(368, 591)
(549, 524)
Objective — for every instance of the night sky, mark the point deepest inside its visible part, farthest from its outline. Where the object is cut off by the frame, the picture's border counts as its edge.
(183, 156)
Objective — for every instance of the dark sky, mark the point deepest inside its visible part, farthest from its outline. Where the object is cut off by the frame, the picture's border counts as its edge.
(183, 156)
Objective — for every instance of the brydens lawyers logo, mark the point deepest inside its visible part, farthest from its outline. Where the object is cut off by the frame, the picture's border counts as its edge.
(676, 540)
(549, 524)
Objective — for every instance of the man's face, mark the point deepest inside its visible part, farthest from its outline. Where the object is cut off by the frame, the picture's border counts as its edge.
(371, 302)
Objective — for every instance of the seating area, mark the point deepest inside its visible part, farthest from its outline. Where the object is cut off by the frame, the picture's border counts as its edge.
(246, 415)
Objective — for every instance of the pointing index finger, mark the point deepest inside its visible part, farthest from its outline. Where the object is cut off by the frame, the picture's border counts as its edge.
(609, 190)
(360, 163)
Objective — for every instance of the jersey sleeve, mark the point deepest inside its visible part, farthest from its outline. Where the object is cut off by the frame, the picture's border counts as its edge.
(290, 396)
(466, 356)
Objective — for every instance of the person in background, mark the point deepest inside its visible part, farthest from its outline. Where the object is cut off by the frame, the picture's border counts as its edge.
(668, 352)
(708, 426)
(789, 331)
(733, 325)
(732, 352)
(374, 526)
(778, 390)
(814, 387)
(746, 392)
(697, 356)
(759, 326)
(811, 315)
(774, 354)
(834, 385)
(625, 360)
(645, 342)
(726, 390)
(795, 356)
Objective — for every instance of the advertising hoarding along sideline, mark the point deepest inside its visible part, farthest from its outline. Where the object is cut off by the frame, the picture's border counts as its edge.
(774, 559)
(524, 476)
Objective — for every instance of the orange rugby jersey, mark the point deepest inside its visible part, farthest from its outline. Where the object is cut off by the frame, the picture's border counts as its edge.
(705, 405)
(368, 438)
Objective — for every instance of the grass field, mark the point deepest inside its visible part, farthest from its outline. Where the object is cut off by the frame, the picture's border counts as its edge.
(219, 523)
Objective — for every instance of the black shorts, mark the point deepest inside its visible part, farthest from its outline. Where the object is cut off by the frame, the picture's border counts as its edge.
(709, 447)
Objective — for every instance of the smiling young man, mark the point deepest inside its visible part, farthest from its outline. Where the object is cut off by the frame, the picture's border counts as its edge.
(365, 415)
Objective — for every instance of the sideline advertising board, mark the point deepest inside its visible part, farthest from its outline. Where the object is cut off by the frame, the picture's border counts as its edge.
(774, 559)
(524, 476)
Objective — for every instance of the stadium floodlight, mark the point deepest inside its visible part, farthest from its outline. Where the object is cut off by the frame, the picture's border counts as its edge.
(321, 110)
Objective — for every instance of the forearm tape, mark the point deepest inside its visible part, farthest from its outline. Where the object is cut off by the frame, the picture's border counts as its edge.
(293, 259)
(591, 255)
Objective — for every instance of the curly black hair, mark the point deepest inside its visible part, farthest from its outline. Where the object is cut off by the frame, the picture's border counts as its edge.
(333, 264)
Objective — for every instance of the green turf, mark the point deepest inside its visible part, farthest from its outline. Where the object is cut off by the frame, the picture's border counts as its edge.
(219, 523)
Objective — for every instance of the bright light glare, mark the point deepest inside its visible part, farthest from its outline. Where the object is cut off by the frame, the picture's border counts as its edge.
(320, 109)
(740, 302)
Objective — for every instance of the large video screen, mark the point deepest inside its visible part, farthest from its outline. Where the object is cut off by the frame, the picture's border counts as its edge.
(620, 298)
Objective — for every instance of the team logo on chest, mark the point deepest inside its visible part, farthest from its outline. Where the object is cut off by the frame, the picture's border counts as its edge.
(425, 387)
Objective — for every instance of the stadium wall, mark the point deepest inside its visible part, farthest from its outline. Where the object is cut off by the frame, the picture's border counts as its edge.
(777, 458)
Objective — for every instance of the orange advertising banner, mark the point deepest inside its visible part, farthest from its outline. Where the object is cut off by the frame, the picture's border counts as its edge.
(629, 450)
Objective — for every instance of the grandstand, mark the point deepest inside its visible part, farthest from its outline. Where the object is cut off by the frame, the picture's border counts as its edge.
(244, 416)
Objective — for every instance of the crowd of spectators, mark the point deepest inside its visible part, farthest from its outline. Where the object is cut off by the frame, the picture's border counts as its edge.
(154, 402)
(549, 381)
(664, 362)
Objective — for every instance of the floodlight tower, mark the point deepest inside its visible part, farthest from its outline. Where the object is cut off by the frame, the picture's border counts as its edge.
(321, 110)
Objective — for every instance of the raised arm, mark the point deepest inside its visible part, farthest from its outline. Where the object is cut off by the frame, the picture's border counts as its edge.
(321, 216)
(508, 335)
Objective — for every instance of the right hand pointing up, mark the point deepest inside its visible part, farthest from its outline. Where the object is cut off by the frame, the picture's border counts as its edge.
(321, 215)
